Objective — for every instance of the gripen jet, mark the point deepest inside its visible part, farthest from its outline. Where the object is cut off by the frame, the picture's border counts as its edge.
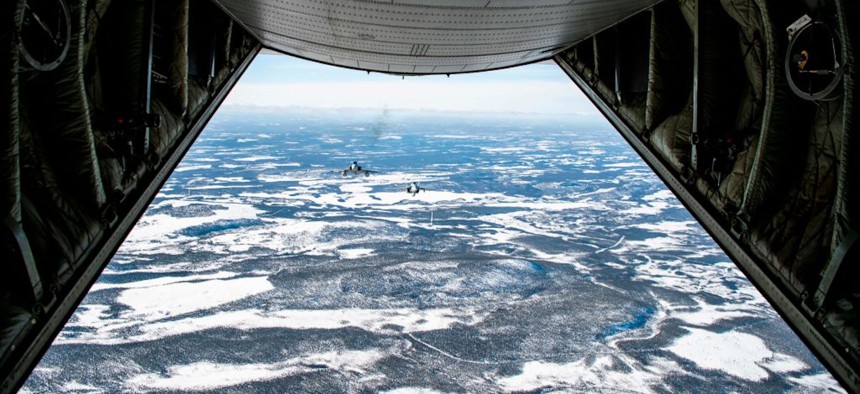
(414, 189)
(355, 169)
(744, 108)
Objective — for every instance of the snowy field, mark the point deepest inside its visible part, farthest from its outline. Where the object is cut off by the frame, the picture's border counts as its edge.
(542, 257)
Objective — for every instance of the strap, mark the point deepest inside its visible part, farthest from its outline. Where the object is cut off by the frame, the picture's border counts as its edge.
(26, 254)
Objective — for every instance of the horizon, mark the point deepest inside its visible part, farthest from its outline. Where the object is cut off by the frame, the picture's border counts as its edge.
(282, 81)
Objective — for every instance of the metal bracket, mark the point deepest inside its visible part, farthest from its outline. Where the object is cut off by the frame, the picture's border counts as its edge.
(26, 254)
(688, 176)
(835, 268)
(740, 225)
(694, 151)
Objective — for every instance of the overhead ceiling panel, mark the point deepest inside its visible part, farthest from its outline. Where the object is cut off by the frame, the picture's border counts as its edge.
(443, 36)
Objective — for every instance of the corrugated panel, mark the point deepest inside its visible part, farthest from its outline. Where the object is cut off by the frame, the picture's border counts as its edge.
(402, 69)
(476, 67)
(441, 35)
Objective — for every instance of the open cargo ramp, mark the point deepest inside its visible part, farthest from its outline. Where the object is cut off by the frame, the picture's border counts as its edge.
(728, 101)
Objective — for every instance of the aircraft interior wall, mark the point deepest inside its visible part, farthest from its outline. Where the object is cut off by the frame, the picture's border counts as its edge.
(94, 120)
(767, 170)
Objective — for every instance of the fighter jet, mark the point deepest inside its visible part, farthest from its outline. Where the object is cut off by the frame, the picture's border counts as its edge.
(414, 189)
(355, 169)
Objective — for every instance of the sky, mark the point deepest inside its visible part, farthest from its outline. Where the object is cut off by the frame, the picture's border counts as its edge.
(275, 80)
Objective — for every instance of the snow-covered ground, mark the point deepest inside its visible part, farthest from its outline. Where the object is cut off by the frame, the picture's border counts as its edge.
(533, 261)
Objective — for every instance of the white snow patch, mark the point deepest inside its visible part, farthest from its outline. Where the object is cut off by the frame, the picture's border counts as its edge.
(255, 158)
(602, 372)
(178, 298)
(822, 382)
(705, 314)
(355, 253)
(719, 351)
(657, 243)
(156, 233)
(355, 188)
(206, 375)
(782, 363)
(183, 168)
(231, 179)
(78, 387)
(664, 194)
